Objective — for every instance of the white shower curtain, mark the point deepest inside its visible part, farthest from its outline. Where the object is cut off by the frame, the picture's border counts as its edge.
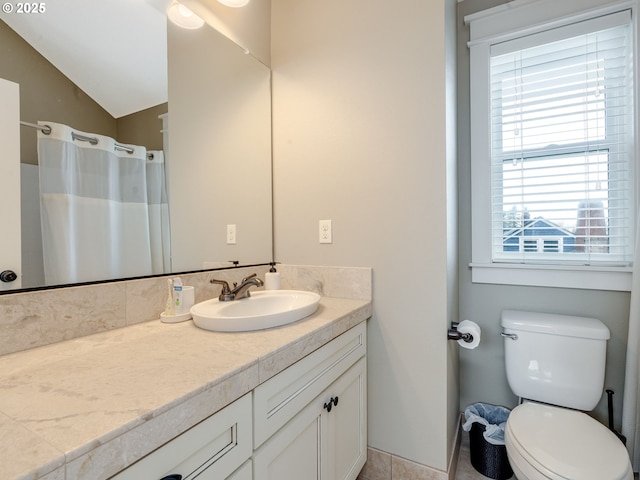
(630, 407)
(95, 214)
(158, 213)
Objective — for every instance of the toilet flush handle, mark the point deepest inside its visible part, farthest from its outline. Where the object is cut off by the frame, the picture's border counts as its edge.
(512, 336)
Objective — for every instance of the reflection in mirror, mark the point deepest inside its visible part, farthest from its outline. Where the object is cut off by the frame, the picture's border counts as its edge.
(217, 150)
(220, 131)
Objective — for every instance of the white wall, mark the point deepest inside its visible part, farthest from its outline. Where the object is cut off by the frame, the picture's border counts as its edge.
(360, 137)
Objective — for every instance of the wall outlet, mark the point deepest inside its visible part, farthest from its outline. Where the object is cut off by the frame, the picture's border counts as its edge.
(231, 234)
(324, 231)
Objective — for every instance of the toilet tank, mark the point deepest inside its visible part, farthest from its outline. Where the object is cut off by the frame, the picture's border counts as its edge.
(556, 359)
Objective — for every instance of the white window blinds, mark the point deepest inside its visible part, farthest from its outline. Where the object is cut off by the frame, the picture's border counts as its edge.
(561, 108)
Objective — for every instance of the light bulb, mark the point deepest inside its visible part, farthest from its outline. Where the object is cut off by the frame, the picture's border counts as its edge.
(183, 17)
(234, 3)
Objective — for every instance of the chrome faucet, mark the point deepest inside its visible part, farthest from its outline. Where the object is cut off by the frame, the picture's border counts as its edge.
(239, 291)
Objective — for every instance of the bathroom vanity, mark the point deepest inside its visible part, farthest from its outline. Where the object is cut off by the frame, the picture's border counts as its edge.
(155, 399)
(309, 421)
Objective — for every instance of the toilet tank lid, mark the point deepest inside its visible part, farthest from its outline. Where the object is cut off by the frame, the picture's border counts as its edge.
(554, 324)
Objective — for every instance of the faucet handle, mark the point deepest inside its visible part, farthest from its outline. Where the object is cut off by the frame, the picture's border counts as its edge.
(247, 278)
(225, 285)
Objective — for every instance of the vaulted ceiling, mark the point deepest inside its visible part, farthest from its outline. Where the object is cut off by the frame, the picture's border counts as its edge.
(114, 50)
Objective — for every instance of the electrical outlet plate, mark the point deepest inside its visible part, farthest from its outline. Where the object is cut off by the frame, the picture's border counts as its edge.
(231, 234)
(325, 231)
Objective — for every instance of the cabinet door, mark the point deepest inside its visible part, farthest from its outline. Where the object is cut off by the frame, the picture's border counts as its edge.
(346, 423)
(294, 453)
(243, 473)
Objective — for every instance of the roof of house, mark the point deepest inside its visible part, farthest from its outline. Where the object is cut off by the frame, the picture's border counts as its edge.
(539, 226)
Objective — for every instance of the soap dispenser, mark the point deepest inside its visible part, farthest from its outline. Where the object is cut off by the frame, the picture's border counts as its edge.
(272, 278)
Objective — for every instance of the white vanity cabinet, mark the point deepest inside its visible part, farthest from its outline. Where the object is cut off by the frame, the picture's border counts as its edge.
(211, 450)
(310, 420)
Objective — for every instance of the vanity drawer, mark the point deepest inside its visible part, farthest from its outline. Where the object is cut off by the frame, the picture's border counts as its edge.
(280, 398)
(211, 450)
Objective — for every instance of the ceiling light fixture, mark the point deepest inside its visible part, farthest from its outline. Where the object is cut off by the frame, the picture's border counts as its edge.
(183, 17)
(234, 3)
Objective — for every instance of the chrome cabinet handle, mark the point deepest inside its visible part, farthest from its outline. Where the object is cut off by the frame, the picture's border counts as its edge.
(512, 336)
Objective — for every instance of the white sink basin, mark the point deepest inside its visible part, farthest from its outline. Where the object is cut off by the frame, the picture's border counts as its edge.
(263, 309)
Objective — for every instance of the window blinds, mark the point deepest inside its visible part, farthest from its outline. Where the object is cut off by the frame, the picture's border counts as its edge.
(562, 145)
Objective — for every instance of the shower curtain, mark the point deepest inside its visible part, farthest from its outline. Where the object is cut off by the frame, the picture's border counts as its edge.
(631, 397)
(97, 219)
(160, 239)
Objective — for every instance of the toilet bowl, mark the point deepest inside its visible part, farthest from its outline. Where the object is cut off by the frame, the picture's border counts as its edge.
(547, 442)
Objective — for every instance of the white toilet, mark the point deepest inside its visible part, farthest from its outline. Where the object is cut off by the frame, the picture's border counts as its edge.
(555, 364)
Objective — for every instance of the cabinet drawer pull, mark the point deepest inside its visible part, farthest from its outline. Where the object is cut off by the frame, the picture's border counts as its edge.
(331, 403)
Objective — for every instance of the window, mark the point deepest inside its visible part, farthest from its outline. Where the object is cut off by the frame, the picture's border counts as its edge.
(553, 143)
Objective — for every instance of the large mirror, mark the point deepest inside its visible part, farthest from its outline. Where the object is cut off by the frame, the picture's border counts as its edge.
(213, 129)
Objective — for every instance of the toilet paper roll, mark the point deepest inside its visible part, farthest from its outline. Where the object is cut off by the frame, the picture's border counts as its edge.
(467, 326)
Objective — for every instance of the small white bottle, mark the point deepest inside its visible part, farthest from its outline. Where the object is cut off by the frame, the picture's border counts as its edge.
(272, 279)
(178, 306)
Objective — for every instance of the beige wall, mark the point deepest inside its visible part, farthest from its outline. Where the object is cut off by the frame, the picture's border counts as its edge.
(360, 137)
(248, 26)
(482, 373)
(143, 127)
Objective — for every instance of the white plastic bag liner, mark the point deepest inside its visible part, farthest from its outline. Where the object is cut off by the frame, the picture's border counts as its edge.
(494, 419)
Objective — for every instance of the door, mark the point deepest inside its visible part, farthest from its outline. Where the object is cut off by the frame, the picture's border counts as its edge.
(10, 247)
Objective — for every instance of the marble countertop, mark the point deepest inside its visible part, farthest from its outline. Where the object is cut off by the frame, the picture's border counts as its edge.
(87, 408)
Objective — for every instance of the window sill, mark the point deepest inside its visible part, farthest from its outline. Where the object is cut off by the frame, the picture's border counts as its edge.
(588, 278)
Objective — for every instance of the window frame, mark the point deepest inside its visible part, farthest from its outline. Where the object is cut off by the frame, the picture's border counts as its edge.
(507, 22)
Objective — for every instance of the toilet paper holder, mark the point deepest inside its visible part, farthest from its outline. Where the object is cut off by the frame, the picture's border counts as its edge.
(454, 334)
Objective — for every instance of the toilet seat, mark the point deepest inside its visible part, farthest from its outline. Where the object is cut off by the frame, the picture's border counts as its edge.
(549, 442)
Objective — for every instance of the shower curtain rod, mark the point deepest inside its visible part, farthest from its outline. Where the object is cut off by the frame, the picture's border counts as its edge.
(46, 129)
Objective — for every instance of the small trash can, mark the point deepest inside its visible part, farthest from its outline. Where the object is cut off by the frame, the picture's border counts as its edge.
(485, 424)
